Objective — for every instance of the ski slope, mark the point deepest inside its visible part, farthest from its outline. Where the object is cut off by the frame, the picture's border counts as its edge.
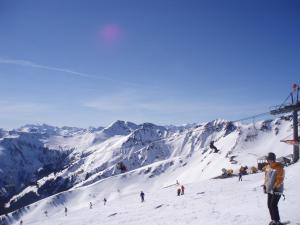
(210, 202)
(155, 158)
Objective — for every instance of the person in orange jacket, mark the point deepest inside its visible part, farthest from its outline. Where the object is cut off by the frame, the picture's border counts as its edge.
(273, 186)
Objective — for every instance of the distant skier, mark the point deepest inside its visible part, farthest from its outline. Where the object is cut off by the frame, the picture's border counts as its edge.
(91, 205)
(177, 182)
(104, 201)
(212, 146)
(182, 190)
(142, 195)
(46, 213)
(21, 222)
(240, 176)
(66, 211)
(273, 186)
(178, 191)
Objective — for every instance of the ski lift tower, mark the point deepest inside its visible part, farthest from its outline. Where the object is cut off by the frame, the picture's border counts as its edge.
(294, 107)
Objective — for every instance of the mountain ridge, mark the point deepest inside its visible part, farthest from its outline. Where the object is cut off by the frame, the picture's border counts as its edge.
(83, 157)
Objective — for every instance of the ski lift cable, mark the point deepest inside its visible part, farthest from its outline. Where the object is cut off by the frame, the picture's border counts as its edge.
(212, 126)
(251, 117)
(203, 128)
(287, 136)
(282, 104)
(207, 127)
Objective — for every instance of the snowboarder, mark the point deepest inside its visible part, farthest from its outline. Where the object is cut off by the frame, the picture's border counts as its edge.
(182, 190)
(212, 146)
(240, 176)
(142, 194)
(91, 205)
(104, 200)
(178, 191)
(273, 186)
(66, 211)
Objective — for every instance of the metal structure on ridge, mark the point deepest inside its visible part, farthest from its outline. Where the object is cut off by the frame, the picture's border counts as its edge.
(293, 106)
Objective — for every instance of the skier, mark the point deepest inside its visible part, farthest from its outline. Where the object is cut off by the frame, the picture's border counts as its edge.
(46, 213)
(273, 186)
(66, 211)
(182, 190)
(142, 194)
(21, 222)
(104, 200)
(240, 176)
(178, 191)
(212, 146)
(91, 205)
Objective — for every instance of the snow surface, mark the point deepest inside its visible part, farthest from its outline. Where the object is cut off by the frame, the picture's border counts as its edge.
(210, 202)
(155, 157)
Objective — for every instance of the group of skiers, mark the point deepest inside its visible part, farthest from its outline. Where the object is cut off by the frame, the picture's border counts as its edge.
(104, 202)
(273, 184)
(273, 187)
(180, 190)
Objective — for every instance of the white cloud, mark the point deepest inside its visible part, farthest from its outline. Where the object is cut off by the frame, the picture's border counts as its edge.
(62, 70)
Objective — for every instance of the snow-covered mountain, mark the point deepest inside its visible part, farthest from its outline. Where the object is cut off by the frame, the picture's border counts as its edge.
(37, 161)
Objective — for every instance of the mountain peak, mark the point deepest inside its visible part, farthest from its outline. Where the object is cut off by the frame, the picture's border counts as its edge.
(120, 127)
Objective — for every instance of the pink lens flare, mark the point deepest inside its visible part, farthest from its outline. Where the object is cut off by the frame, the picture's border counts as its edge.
(110, 34)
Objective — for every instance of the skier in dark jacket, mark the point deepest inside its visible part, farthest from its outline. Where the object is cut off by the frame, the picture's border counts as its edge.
(142, 194)
(182, 190)
(240, 176)
(178, 191)
(212, 146)
(273, 186)
(104, 200)
(66, 211)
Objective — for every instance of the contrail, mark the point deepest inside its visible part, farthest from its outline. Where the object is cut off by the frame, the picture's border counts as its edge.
(62, 70)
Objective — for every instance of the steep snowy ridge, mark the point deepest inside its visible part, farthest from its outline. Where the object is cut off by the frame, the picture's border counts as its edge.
(24, 159)
(146, 150)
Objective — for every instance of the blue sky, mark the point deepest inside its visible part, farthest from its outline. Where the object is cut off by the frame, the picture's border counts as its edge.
(82, 63)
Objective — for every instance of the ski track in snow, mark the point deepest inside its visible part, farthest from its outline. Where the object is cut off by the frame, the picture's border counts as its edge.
(226, 202)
